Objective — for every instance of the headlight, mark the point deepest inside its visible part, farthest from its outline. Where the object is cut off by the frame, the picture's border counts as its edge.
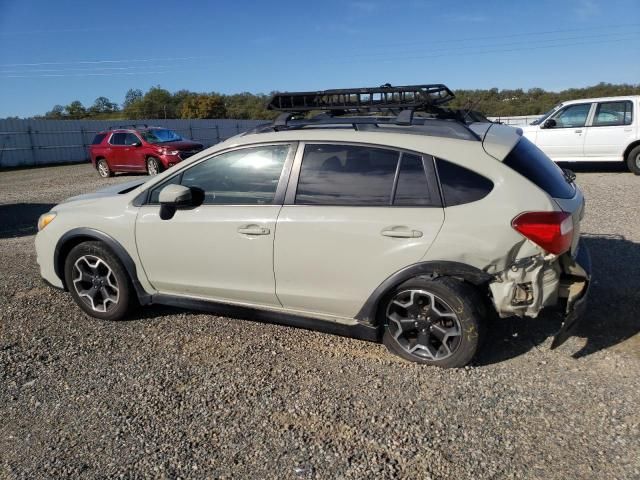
(166, 151)
(45, 220)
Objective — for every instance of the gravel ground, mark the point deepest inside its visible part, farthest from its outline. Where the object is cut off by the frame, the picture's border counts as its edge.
(176, 394)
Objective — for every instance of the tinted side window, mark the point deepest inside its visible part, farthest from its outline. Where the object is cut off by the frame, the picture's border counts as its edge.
(241, 177)
(130, 139)
(573, 116)
(461, 185)
(346, 175)
(613, 113)
(412, 188)
(531, 162)
(97, 140)
(117, 139)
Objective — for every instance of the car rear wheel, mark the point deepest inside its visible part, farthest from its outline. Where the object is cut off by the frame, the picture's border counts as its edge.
(153, 166)
(436, 322)
(98, 282)
(103, 169)
(633, 160)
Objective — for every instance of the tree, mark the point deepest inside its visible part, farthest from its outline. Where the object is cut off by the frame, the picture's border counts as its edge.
(132, 104)
(103, 105)
(132, 96)
(56, 113)
(203, 106)
(75, 110)
(248, 106)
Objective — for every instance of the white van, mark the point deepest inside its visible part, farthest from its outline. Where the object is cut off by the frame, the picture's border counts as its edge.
(591, 129)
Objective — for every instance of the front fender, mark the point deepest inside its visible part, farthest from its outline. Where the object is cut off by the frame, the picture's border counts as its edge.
(77, 235)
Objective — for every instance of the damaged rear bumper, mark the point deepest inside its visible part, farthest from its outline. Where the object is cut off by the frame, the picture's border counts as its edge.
(575, 284)
(538, 282)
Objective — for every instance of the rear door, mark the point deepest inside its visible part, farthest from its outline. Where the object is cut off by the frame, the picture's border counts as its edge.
(565, 141)
(115, 150)
(610, 131)
(354, 214)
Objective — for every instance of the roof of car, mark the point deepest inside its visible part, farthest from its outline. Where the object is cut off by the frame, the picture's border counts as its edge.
(497, 140)
(132, 128)
(602, 99)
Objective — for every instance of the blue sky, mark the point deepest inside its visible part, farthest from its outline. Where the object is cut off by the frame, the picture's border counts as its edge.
(59, 51)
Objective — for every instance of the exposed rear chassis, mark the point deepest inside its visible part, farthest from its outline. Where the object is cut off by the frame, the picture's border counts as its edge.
(577, 280)
(533, 283)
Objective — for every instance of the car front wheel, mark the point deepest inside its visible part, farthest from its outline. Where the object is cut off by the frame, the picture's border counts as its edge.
(436, 322)
(98, 282)
(153, 166)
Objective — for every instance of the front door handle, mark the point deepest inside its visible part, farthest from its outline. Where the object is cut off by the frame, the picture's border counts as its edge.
(254, 230)
(578, 131)
(397, 232)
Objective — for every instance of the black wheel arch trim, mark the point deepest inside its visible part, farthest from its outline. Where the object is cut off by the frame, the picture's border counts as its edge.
(92, 234)
(433, 269)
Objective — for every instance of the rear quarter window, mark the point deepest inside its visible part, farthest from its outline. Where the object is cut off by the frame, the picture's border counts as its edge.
(97, 140)
(532, 163)
(460, 185)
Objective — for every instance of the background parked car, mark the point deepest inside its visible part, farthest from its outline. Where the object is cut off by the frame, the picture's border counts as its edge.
(139, 149)
(592, 129)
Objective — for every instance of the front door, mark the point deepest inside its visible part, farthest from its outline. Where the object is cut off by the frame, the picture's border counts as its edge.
(223, 249)
(565, 140)
(356, 215)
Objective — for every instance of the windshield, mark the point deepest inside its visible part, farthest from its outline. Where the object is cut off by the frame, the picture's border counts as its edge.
(160, 135)
(546, 115)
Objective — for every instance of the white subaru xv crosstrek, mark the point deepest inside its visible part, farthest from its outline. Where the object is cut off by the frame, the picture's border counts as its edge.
(410, 229)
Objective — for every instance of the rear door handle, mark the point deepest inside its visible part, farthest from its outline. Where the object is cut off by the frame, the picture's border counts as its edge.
(397, 232)
(578, 131)
(254, 230)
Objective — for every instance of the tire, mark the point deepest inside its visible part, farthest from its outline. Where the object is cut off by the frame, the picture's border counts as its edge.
(103, 169)
(633, 160)
(98, 282)
(154, 166)
(447, 336)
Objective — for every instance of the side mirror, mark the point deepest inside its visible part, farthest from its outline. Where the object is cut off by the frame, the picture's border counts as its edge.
(136, 144)
(171, 198)
(549, 123)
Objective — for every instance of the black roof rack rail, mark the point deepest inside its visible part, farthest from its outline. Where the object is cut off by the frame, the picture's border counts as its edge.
(131, 125)
(384, 97)
(405, 122)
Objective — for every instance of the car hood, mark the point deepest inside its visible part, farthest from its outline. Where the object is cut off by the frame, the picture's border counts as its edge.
(110, 191)
(181, 145)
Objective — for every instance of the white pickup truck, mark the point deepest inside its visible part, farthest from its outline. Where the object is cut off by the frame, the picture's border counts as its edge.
(592, 129)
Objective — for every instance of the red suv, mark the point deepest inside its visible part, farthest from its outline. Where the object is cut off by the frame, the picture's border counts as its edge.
(139, 149)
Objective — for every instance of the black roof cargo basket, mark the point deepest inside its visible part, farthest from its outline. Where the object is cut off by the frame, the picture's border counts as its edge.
(383, 107)
(385, 97)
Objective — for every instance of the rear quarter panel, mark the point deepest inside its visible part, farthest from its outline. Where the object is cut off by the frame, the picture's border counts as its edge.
(480, 233)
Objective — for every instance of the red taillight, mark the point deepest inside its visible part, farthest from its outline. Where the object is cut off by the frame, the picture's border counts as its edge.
(553, 231)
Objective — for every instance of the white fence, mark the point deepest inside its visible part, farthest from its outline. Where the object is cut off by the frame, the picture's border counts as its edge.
(515, 121)
(44, 142)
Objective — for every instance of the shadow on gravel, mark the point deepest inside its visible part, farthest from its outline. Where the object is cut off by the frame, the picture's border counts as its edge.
(612, 316)
(20, 219)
